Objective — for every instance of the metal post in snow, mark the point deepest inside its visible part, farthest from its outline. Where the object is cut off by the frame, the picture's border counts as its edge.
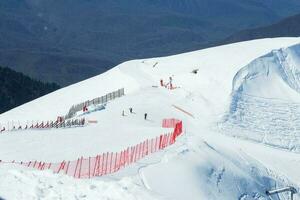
(80, 167)
(120, 160)
(139, 151)
(134, 154)
(67, 167)
(111, 162)
(103, 163)
(160, 142)
(99, 163)
(106, 164)
(156, 144)
(34, 164)
(39, 166)
(142, 150)
(116, 159)
(89, 167)
(61, 166)
(75, 168)
(127, 156)
(290, 189)
(95, 165)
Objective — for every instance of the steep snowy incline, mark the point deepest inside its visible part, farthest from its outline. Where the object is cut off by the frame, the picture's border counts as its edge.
(266, 101)
(280, 69)
(202, 164)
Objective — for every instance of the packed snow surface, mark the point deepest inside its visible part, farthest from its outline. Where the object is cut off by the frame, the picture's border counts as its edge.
(249, 90)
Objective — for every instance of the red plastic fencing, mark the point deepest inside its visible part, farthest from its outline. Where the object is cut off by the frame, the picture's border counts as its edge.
(170, 123)
(109, 162)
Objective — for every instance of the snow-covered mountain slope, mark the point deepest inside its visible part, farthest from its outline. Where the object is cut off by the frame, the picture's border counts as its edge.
(203, 163)
(216, 69)
(279, 68)
(265, 100)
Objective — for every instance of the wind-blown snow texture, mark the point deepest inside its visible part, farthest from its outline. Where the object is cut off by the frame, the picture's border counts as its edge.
(227, 96)
(265, 100)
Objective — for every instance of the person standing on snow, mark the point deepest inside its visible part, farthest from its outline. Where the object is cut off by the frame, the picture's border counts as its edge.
(145, 116)
(85, 109)
(161, 82)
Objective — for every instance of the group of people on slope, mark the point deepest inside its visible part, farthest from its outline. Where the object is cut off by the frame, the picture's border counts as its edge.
(131, 112)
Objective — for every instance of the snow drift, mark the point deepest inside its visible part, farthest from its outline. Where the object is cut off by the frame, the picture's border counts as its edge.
(275, 75)
(266, 101)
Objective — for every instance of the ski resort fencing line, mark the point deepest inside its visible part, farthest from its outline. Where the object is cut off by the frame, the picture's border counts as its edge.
(109, 162)
(99, 100)
(15, 126)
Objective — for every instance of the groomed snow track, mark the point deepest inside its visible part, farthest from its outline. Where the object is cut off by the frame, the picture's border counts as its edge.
(269, 121)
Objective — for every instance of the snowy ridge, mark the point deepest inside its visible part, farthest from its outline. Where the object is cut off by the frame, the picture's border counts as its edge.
(265, 98)
(269, 71)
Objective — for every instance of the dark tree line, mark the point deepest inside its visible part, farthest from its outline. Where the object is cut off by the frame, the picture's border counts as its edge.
(17, 89)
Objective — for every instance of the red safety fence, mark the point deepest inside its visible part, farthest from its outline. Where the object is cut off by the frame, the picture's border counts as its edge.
(170, 123)
(110, 162)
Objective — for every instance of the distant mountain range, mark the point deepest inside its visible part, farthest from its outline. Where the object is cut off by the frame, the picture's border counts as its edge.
(17, 89)
(289, 27)
(66, 41)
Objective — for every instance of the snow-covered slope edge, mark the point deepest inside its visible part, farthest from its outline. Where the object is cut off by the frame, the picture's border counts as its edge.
(266, 100)
(275, 75)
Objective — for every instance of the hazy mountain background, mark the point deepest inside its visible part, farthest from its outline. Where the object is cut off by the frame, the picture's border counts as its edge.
(69, 40)
(16, 89)
(288, 27)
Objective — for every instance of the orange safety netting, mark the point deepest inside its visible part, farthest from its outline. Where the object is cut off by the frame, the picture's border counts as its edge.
(109, 162)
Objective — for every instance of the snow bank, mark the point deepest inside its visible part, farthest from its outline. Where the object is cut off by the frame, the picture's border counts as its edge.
(201, 171)
(275, 75)
(19, 183)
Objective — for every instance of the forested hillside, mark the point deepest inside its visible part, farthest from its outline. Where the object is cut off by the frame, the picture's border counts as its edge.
(17, 89)
(288, 27)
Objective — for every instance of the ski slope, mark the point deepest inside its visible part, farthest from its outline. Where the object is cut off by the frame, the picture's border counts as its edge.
(248, 90)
